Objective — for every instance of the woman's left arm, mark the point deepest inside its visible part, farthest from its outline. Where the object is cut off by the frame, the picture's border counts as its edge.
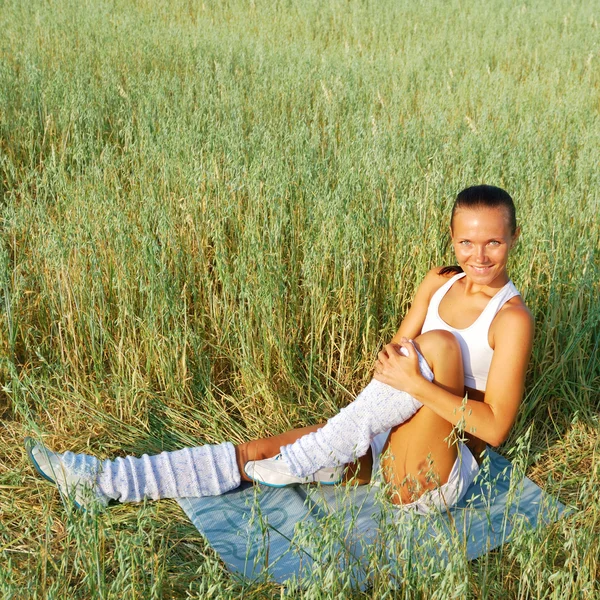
(491, 419)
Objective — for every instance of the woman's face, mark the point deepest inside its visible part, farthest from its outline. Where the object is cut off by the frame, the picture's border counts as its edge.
(482, 240)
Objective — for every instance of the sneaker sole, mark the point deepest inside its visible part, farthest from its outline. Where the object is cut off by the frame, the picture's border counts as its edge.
(30, 443)
(283, 485)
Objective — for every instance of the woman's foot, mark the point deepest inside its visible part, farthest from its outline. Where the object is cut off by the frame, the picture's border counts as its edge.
(275, 472)
(74, 474)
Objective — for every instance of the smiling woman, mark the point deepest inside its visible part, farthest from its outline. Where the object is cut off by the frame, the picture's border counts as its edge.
(445, 368)
(489, 323)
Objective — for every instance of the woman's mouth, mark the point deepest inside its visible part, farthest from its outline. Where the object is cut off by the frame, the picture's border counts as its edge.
(481, 270)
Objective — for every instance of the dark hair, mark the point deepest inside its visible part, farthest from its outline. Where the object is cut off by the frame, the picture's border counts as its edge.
(482, 196)
(486, 196)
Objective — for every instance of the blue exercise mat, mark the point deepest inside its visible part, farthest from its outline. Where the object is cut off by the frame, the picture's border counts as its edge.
(286, 533)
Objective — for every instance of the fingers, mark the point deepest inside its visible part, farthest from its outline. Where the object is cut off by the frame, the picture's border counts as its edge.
(383, 354)
(407, 346)
(392, 352)
(383, 358)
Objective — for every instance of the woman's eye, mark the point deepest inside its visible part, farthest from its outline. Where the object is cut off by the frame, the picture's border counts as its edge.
(465, 242)
(494, 243)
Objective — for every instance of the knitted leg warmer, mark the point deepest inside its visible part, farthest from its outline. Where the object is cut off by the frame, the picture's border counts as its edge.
(191, 472)
(347, 435)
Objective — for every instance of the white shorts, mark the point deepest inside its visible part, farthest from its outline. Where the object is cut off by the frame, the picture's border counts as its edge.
(461, 476)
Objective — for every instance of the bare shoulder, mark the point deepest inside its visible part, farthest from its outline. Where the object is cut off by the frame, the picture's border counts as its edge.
(514, 320)
(515, 308)
(413, 321)
(433, 281)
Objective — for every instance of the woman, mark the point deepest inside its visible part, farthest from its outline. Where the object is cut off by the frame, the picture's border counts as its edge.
(459, 358)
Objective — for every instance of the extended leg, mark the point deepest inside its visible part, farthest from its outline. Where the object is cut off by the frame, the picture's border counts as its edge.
(207, 470)
(191, 472)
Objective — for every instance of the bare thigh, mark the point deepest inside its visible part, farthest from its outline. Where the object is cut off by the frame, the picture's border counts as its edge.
(419, 453)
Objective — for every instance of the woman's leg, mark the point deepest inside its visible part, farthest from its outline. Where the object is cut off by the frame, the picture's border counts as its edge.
(207, 470)
(344, 437)
(267, 447)
(255, 450)
(419, 453)
(191, 472)
(212, 470)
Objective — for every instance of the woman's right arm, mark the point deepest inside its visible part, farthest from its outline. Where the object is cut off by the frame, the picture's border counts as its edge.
(415, 317)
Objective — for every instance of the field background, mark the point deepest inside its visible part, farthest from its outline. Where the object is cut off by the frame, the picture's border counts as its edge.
(214, 213)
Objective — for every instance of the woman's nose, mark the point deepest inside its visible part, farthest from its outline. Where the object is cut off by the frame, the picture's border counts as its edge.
(480, 254)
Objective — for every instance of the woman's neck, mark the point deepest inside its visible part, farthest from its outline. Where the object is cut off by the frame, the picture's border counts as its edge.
(491, 289)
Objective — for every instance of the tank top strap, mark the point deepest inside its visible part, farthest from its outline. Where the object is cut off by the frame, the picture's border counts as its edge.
(437, 296)
(496, 303)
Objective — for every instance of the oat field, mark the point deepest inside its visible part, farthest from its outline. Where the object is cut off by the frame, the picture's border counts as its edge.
(212, 216)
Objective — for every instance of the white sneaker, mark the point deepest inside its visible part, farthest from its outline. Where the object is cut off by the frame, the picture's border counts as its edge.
(275, 472)
(75, 477)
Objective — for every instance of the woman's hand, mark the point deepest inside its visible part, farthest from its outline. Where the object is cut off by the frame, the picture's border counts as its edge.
(398, 366)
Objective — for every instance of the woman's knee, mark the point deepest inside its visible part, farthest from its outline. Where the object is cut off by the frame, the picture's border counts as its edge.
(439, 339)
(442, 351)
(438, 344)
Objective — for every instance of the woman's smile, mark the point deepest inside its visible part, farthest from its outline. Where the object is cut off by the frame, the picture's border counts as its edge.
(480, 269)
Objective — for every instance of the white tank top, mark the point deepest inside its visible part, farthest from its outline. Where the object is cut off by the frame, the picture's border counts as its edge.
(473, 340)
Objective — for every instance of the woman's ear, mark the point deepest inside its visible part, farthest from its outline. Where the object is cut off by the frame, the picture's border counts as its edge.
(516, 236)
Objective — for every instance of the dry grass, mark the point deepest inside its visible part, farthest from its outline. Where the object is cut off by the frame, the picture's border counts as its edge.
(214, 213)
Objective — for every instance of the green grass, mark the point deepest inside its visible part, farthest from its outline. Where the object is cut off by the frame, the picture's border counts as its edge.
(213, 214)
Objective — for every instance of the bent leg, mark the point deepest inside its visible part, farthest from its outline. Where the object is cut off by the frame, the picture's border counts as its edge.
(358, 472)
(419, 454)
(348, 435)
